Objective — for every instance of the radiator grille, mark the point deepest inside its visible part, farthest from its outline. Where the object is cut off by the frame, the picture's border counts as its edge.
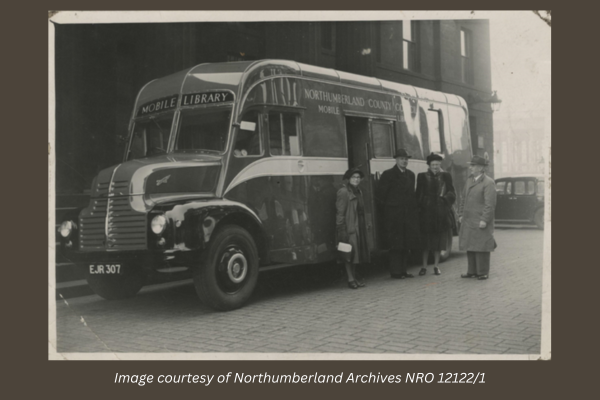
(92, 227)
(126, 227)
(122, 229)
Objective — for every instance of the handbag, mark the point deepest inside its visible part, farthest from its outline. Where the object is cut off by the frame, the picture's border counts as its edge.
(345, 251)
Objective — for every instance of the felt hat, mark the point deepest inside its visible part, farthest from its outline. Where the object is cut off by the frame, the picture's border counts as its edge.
(434, 157)
(478, 160)
(353, 171)
(402, 153)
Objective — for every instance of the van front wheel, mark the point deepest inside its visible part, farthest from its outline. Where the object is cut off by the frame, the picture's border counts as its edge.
(228, 273)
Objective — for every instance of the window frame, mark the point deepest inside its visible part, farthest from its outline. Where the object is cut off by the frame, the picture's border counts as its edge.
(414, 33)
(260, 127)
(383, 63)
(466, 63)
(441, 133)
(198, 109)
(282, 110)
(392, 125)
(156, 117)
(333, 38)
(524, 187)
(504, 184)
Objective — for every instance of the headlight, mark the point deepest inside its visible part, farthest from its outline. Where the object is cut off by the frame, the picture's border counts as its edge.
(65, 229)
(158, 224)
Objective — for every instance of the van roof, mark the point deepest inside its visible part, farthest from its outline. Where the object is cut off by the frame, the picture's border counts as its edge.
(232, 75)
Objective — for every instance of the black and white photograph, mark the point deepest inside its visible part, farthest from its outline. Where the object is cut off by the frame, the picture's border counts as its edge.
(304, 185)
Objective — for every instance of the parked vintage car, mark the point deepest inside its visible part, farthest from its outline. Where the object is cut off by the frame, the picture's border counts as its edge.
(520, 199)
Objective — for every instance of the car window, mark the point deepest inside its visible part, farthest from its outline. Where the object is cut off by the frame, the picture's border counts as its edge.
(508, 187)
(500, 187)
(519, 187)
(530, 187)
(540, 188)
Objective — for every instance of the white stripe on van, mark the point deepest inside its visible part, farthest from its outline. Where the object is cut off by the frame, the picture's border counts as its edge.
(290, 166)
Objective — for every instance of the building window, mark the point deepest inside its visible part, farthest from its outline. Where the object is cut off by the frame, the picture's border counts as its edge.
(466, 56)
(409, 45)
(328, 36)
(398, 45)
(474, 135)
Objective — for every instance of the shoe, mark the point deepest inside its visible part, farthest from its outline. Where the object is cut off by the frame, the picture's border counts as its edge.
(353, 285)
(423, 271)
(468, 275)
(360, 283)
(397, 276)
(407, 275)
(482, 277)
(436, 271)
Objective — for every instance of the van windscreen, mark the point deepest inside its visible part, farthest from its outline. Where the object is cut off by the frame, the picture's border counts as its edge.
(150, 137)
(203, 130)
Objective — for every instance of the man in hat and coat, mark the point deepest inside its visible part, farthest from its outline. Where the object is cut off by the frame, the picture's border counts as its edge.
(476, 215)
(396, 197)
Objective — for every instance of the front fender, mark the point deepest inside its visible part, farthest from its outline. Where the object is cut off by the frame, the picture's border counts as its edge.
(191, 225)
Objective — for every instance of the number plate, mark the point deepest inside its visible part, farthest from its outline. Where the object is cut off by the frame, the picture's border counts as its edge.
(106, 269)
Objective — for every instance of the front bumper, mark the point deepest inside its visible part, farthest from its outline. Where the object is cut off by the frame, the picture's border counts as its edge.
(148, 261)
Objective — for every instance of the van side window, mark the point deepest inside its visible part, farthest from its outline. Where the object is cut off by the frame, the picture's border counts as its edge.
(284, 133)
(382, 139)
(433, 125)
(248, 141)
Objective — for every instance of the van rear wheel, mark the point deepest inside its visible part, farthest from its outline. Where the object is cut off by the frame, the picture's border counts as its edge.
(228, 273)
(116, 287)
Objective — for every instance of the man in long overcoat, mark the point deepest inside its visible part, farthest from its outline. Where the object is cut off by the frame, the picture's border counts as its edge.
(476, 213)
(396, 197)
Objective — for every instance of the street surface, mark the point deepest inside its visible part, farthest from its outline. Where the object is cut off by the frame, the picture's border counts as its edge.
(301, 310)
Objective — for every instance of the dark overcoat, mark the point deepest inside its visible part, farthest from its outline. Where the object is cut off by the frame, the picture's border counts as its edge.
(478, 204)
(435, 197)
(395, 195)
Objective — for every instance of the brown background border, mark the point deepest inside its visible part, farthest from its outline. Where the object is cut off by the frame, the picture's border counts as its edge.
(25, 70)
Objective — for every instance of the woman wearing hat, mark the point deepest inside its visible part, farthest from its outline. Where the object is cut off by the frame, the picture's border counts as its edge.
(350, 223)
(435, 196)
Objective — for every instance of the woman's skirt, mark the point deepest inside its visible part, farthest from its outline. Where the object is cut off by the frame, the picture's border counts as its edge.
(435, 241)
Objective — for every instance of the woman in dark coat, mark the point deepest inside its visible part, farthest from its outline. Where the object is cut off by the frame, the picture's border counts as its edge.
(435, 196)
(350, 223)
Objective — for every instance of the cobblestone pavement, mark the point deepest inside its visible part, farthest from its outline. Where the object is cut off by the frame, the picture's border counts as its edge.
(302, 311)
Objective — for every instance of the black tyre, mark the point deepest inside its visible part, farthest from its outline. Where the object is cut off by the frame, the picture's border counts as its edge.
(538, 218)
(116, 287)
(445, 254)
(228, 273)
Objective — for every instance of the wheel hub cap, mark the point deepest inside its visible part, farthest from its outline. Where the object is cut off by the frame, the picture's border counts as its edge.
(237, 267)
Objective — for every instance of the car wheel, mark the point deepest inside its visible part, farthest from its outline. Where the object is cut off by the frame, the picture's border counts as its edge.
(538, 218)
(228, 273)
(116, 287)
